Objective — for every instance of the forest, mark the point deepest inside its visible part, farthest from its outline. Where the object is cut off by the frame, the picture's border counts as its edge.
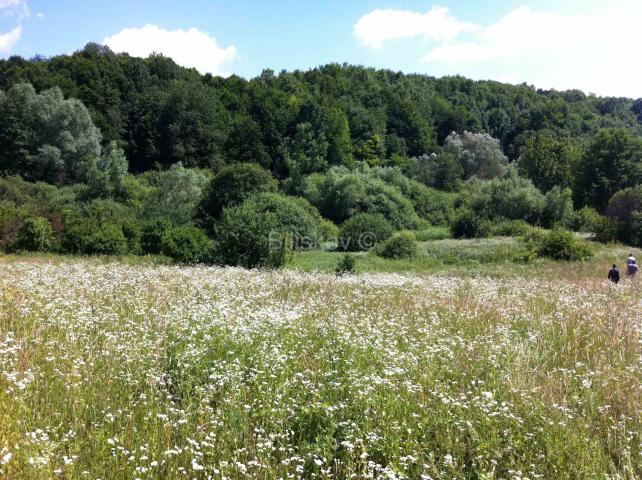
(104, 153)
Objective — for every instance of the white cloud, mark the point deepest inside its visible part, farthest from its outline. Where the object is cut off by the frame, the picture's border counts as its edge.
(7, 40)
(189, 48)
(595, 50)
(14, 7)
(380, 26)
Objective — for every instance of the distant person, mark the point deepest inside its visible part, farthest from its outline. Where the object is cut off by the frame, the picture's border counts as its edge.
(614, 274)
(630, 260)
(632, 269)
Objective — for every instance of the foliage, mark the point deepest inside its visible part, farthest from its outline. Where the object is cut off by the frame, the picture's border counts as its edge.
(174, 194)
(187, 244)
(232, 185)
(364, 231)
(558, 207)
(612, 161)
(468, 224)
(586, 220)
(261, 231)
(549, 160)
(340, 194)
(293, 215)
(85, 236)
(437, 207)
(106, 175)
(346, 265)
(510, 228)
(400, 245)
(151, 235)
(510, 197)
(561, 244)
(45, 137)
(478, 154)
(35, 235)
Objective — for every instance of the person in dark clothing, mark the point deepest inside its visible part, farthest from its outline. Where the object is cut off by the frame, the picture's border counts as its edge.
(614, 274)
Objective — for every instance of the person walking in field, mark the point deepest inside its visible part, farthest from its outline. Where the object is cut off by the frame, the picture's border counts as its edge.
(632, 269)
(614, 274)
(630, 260)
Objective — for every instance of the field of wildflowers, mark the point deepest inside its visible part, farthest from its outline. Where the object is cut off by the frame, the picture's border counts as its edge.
(115, 371)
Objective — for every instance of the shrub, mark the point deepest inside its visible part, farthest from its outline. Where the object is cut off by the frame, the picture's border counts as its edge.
(510, 197)
(586, 219)
(187, 244)
(346, 265)
(35, 235)
(430, 204)
(400, 245)
(558, 207)
(607, 230)
(341, 194)
(364, 231)
(563, 245)
(89, 237)
(511, 228)
(232, 186)
(329, 231)
(243, 237)
(293, 215)
(468, 224)
(151, 236)
(11, 219)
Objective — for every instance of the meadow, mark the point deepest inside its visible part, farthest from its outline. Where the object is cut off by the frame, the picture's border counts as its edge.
(462, 364)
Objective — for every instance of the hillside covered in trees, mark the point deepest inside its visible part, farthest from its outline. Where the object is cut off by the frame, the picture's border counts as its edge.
(106, 153)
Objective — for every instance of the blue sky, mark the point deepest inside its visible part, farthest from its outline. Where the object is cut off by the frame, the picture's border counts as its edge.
(588, 44)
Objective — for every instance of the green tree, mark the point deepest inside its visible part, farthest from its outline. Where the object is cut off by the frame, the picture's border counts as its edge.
(478, 154)
(45, 137)
(612, 161)
(548, 160)
(174, 194)
(106, 175)
(364, 231)
(231, 186)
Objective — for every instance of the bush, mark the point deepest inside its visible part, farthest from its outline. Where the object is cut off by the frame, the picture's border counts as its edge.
(558, 207)
(89, 237)
(11, 219)
(607, 230)
(243, 237)
(430, 204)
(586, 219)
(468, 224)
(187, 244)
(341, 194)
(563, 245)
(329, 231)
(364, 231)
(511, 228)
(35, 235)
(151, 236)
(346, 265)
(400, 245)
(232, 186)
(293, 215)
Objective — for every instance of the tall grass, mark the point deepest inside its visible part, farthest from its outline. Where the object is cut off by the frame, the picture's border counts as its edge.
(120, 371)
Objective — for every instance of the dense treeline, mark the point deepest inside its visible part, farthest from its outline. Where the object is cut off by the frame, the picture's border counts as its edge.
(109, 153)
